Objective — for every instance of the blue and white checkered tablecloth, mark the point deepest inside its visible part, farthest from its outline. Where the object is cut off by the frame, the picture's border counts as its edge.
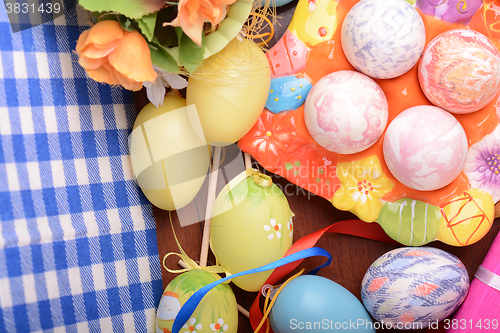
(78, 248)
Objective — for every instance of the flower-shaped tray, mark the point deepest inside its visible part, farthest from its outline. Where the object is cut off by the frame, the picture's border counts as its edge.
(460, 213)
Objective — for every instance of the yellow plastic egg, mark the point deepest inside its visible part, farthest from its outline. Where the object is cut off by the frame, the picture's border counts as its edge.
(230, 91)
(168, 153)
(217, 311)
(252, 226)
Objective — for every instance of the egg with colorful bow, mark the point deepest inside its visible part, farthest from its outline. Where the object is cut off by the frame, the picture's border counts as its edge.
(168, 153)
(412, 288)
(252, 226)
(217, 312)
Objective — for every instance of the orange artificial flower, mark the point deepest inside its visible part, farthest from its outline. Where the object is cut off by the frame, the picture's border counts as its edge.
(114, 56)
(192, 14)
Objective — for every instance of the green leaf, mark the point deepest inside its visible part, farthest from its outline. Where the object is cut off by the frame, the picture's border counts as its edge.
(147, 25)
(163, 59)
(134, 9)
(190, 53)
(126, 24)
(179, 32)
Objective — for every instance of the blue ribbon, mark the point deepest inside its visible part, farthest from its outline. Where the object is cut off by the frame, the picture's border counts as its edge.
(188, 308)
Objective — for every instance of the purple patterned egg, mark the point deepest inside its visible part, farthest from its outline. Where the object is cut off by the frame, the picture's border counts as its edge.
(346, 112)
(383, 39)
(414, 288)
(453, 11)
(425, 147)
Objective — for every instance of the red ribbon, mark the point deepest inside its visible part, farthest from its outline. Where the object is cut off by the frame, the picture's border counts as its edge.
(349, 227)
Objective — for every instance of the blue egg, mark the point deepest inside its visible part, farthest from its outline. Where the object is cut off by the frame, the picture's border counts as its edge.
(312, 303)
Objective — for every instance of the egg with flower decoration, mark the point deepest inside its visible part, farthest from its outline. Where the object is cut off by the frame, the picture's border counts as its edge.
(217, 312)
(168, 153)
(252, 226)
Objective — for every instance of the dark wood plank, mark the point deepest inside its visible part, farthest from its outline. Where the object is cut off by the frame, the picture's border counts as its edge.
(351, 255)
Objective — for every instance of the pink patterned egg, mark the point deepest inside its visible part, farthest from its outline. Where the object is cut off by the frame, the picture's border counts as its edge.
(460, 71)
(425, 148)
(346, 112)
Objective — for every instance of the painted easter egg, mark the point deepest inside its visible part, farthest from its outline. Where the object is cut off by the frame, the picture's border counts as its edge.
(453, 11)
(383, 39)
(252, 226)
(411, 288)
(425, 147)
(168, 153)
(460, 71)
(312, 303)
(466, 218)
(410, 222)
(229, 91)
(217, 311)
(346, 112)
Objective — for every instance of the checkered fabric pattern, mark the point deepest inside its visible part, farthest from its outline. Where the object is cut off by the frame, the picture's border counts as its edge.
(78, 249)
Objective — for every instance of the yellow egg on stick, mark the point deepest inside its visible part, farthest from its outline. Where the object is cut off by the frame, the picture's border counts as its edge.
(230, 91)
(168, 153)
(252, 226)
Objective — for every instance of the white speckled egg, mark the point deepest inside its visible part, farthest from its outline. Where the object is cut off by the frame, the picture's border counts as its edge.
(410, 288)
(383, 39)
(425, 147)
(346, 112)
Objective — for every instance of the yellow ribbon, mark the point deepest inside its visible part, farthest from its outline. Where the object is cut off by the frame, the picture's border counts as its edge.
(259, 178)
(190, 263)
(267, 309)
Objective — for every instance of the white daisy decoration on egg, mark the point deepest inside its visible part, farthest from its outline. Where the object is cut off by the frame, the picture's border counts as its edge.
(192, 326)
(290, 227)
(219, 326)
(274, 228)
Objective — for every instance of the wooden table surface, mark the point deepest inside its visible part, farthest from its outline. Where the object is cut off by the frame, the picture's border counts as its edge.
(351, 255)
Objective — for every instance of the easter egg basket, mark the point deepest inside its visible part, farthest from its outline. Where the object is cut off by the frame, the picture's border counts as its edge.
(459, 213)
